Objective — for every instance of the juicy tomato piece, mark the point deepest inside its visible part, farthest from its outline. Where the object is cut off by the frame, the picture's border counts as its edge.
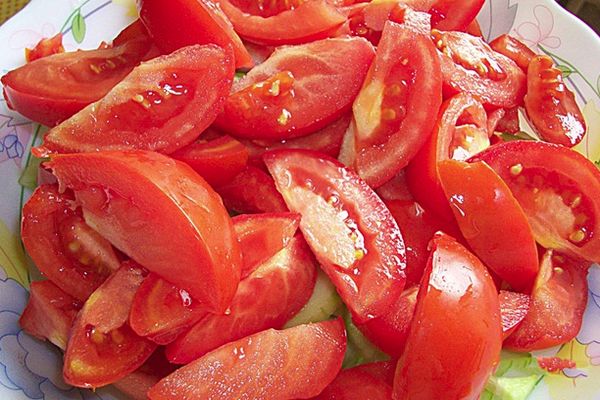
(298, 90)
(451, 15)
(267, 298)
(513, 309)
(282, 22)
(456, 335)
(356, 384)
(469, 65)
(504, 120)
(559, 190)
(555, 364)
(383, 370)
(557, 304)
(514, 49)
(162, 105)
(293, 363)
(551, 106)
(51, 89)
(218, 161)
(460, 131)
(252, 191)
(390, 331)
(62, 246)
(393, 109)
(487, 214)
(45, 47)
(475, 30)
(102, 347)
(395, 189)
(137, 384)
(162, 214)
(49, 314)
(180, 23)
(349, 229)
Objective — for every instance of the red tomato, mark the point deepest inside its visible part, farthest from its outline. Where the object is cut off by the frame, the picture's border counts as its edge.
(252, 191)
(298, 90)
(456, 335)
(356, 384)
(394, 107)
(514, 49)
(162, 105)
(45, 47)
(49, 314)
(294, 363)
(180, 23)
(395, 189)
(504, 120)
(285, 22)
(137, 384)
(349, 229)
(551, 106)
(382, 370)
(102, 347)
(557, 304)
(53, 88)
(513, 309)
(474, 29)
(218, 161)
(559, 190)
(452, 15)
(460, 131)
(555, 364)
(487, 214)
(66, 250)
(162, 214)
(267, 298)
(469, 65)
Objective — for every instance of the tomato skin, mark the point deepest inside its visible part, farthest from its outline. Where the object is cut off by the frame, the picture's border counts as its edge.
(454, 15)
(557, 305)
(45, 47)
(513, 310)
(156, 107)
(267, 298)
(280, 98)
(49, 246)
(349, 229)
(475, 30)
(181, 23)
(456, 336)
(514, 49)
(135, 199)
(557, 188)
(294, 363)
(551, 106)
(487, 214)
(356, 384)
(137, 384)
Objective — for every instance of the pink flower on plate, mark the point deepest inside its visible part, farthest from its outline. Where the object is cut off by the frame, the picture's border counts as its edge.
(539, 32)
(29, 38)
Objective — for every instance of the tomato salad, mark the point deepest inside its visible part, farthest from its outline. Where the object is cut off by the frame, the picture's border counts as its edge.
(240, 194)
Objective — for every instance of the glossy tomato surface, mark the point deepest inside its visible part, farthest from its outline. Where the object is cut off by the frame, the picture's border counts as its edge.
(514, 49)
(513, 309)
(356, 384)
(45, 47)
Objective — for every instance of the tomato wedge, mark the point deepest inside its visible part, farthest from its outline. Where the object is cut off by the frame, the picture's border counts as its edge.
(180, 23)
(456, 335)
(137, 384)
(66, 250)
(514, 49)
(393, 109)
(451, 15)
(297, 90)
(162, 214)
(294, 363)
(557, 304)
(45, 47)
(162, 105)
(356, 384)
(488, 214)
(559, 190)
(513, 310)
(551, 106)
(102, 347)
(349, 229)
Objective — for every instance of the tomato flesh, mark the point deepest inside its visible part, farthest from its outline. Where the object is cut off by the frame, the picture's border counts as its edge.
(45, 47)
(137, 384)
(513, 310)
(514, 49)
(356, 384)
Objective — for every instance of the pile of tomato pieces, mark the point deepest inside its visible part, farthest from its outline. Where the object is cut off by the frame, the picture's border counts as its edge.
(370, 141)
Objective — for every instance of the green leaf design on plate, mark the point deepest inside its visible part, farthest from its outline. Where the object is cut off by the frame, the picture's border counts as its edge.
(12, 256)
(565, 70)
(78, 27)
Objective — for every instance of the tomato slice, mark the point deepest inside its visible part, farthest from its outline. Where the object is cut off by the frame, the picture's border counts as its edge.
(356, 384)
(162, 105)
(218, 161)
(504, 120)
(452, 15)
(513, 309)
(294, 363)
(514, 49)
(66, 250)
(559, 190)
(393, 109)
(49, 314)
(456, 335)
(557, 305)
(395, 189)
(252, 191)
(551, 106)
(286, 22)
(137, 384)
(181, 23)
(297, 90)
(267, 298)
(469, 65)
(475, 30)
(51, 89)
(102, 347)
(160, 213)
(488, 214)
(45, 47)
(349, 229)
